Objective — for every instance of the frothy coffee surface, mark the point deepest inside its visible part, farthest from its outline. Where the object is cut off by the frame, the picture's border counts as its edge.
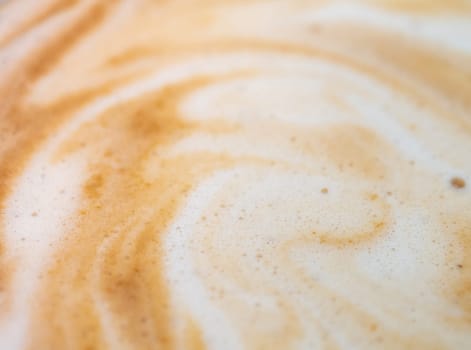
(235, 174)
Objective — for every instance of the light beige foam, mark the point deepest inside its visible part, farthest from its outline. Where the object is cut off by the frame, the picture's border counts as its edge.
(272, 174)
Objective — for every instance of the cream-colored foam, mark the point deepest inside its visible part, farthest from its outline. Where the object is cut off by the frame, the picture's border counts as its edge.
(236, 175)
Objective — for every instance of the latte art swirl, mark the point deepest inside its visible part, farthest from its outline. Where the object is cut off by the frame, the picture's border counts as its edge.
(235, 174)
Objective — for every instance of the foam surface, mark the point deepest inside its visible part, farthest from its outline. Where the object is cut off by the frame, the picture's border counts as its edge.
(235, 174)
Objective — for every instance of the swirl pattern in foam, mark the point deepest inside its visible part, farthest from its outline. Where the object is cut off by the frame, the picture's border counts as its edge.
(263, 174)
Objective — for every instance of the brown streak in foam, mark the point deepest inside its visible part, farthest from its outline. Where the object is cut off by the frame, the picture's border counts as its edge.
(355, 238)
(354, 149)
(19, 122)
(33, 124)
(193, 336)
(126, 276)
(422, 62)
(23, 129)
(426, 7)
(131, 55)
(42, 61)
(43, 14)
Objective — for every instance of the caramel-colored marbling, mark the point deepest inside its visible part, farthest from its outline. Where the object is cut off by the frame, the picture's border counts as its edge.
(235, 174)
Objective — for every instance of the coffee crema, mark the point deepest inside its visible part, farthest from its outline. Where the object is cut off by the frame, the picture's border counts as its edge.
(235, 174)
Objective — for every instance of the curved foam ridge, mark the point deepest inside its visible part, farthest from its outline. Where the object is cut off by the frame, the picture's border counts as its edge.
(235, 174)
